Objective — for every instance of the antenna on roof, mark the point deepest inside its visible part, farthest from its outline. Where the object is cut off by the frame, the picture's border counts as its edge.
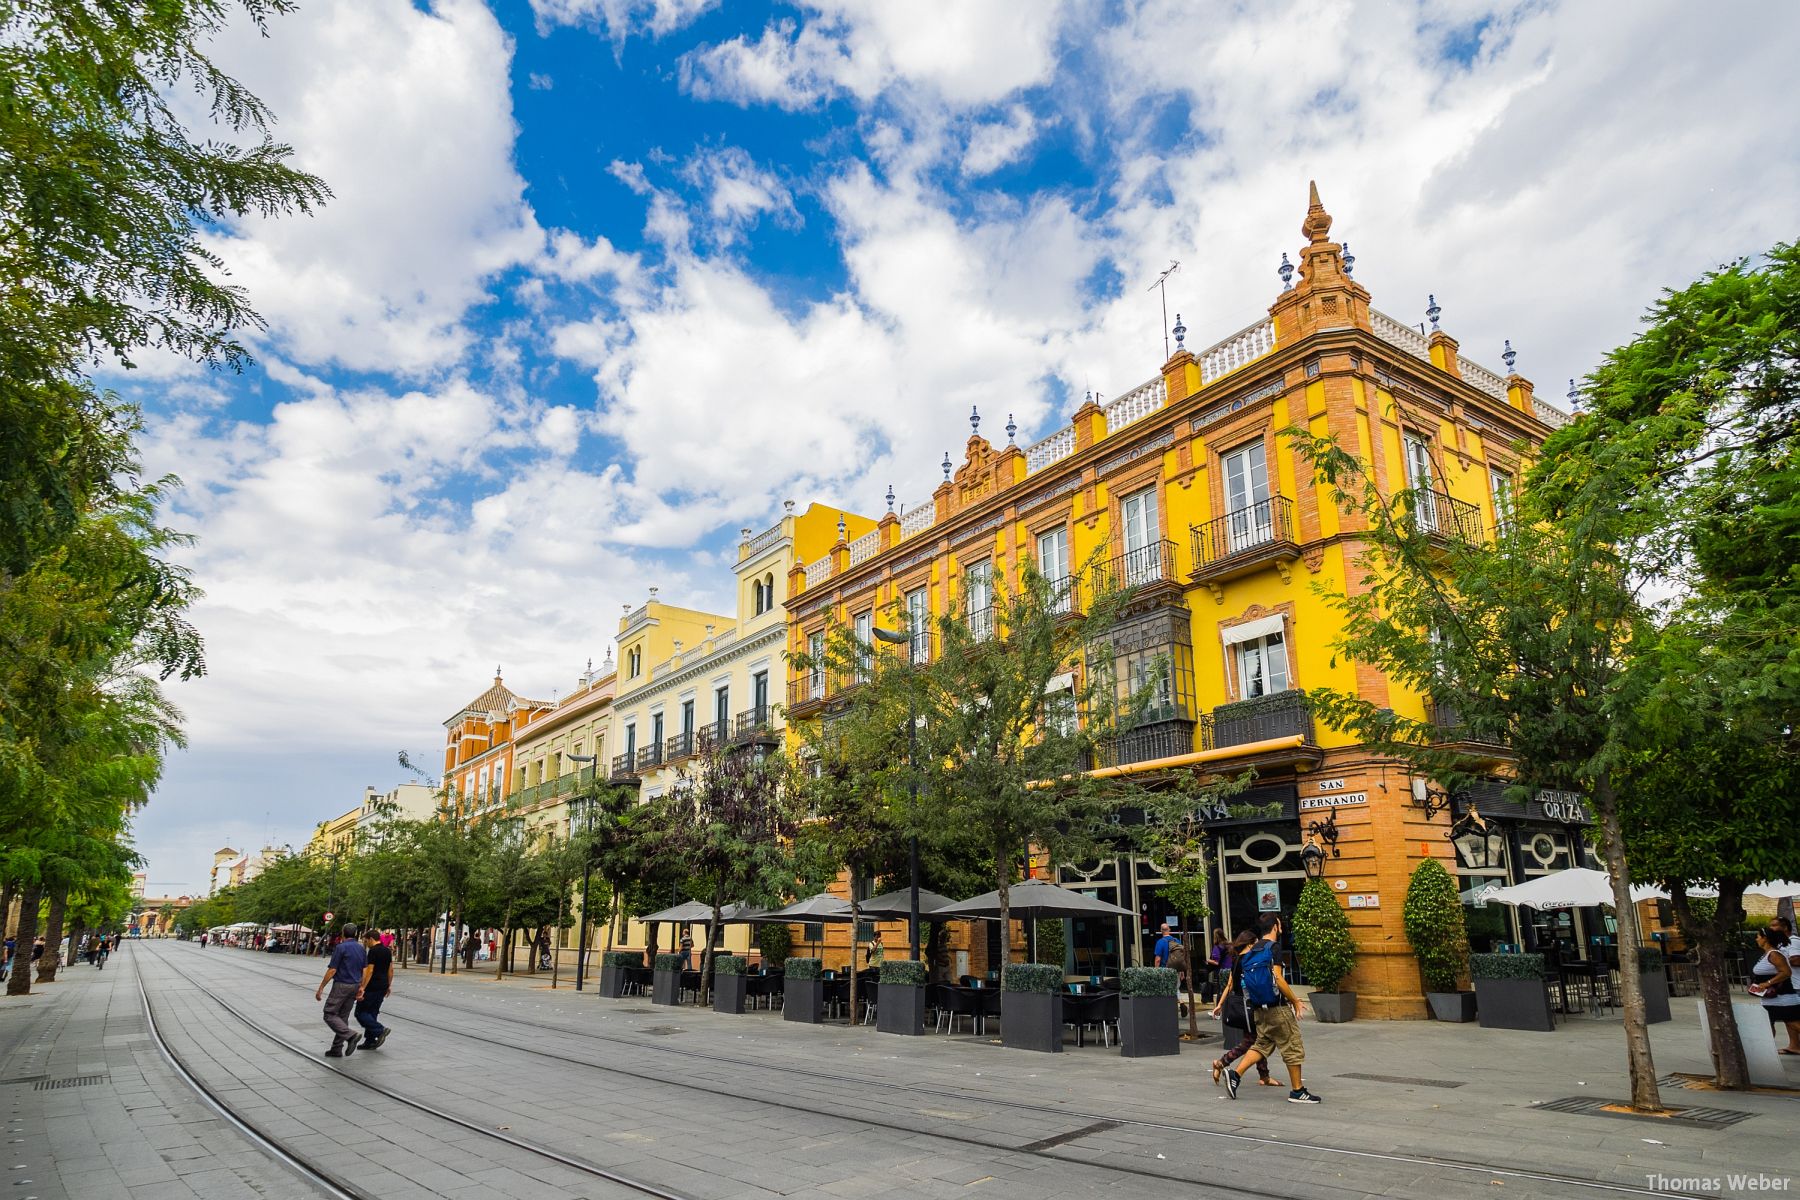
(1162, 285)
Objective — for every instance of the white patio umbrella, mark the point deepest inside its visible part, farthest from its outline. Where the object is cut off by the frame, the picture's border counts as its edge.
(1034, 901)
(1481, 893)
(1579, 887)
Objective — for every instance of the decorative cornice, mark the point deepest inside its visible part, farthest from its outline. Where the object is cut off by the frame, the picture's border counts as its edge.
(774, 633)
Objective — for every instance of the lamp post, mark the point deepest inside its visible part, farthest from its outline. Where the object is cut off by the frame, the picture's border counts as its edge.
(587, 866)
(894, 637)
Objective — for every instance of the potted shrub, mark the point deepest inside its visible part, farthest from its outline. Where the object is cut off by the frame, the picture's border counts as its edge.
(1509, 991)
(729, 983)
(665, 987)
(1434, 926)
(1655, 982)
(802, 991)
(1031, 1007)
(1326, 950)
(1149, 1022)
(900, 1004)
(775, 941)
(613, 967)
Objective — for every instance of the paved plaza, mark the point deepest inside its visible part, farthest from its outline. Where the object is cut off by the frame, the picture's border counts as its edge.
(696, 1104)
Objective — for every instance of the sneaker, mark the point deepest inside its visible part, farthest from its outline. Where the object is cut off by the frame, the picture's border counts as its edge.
(349, 1047)
(1302, 1096)
(380, 1038)
(1232, 1079)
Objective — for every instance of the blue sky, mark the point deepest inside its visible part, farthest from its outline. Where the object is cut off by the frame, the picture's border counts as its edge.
(605, 280)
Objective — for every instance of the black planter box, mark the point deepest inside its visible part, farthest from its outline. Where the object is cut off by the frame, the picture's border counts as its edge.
(1451, 1006)
(612, 982)
(1513, 1004)
(1334, 1008)
(665, 987)
(803, 1000)
(1031, 1021)
(1149, 1026)
(1656, 995)
(900, 1009)
(728, 993)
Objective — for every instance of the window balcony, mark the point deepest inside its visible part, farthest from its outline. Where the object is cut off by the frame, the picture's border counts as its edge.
(1266, 718)
(1146, 742)
(806, 694)
(981, 623)
(680, 746)
(755, 726)
(1149, 571)
(649, 758)
(1442, 516)
(1451, 731)
(624, 769)
(1246, 541)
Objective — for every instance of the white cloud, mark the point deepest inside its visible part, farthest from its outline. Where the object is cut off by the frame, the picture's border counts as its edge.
(964, 53)
(995, 144)
(619, 19)
(406, 116)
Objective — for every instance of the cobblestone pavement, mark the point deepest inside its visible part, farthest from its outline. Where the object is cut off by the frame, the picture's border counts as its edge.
(708, 1105)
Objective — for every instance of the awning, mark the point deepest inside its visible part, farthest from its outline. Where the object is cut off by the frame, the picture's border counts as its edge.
(1250, 631)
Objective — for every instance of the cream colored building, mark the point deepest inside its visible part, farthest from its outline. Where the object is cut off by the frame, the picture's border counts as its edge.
(690, 680)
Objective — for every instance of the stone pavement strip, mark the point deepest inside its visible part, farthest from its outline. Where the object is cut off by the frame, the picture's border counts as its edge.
(950, 1088)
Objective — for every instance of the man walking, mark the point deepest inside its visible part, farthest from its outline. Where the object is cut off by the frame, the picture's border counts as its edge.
(1276, 1011)
(1159, 956)
(377, 981)
(344, 974)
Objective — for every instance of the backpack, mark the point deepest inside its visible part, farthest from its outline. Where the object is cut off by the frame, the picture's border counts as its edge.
(1178, 958)
(1258, 972)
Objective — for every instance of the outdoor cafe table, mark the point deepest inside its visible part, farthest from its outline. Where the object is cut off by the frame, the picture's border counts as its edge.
(986, 1003)
(1082, 1009)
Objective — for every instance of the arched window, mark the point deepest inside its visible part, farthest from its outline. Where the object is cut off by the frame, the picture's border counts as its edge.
(769, 590)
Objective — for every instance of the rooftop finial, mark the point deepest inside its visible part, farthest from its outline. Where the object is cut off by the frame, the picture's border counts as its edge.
(1180, 332)
(974, 419)
(744, 533)
(1286, 271)
(1349, 260)
(1509, 356)
(1318, 222)
(496, 672)
(946, 466)
(1012, 429)
(1574, 396)
(840, 527)
(1432, 312)
(890, 497)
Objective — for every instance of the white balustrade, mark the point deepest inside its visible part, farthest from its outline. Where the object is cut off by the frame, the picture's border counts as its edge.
(1397, 333)
(1054, 448)
(1548, 413)
(865, 547)
(1480, 377)
(638, 617)
(767, 537)
(918, 520)
(1134, 405)
(818, 572)
(1245, 346)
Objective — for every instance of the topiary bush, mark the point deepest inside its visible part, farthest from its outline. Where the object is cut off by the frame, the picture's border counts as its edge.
(1506, 966)
(1322, 938)
(803, 968)
(902, 972)
(670, 962)
(775, 942)
(1051, 948)
(1031, 977)
(1148, 981)
(1434, 926)
(622, 958)
(1650, 958)
(730, 964)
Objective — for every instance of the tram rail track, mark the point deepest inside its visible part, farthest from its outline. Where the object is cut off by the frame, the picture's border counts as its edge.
(1450, 1165)
(329, 1181)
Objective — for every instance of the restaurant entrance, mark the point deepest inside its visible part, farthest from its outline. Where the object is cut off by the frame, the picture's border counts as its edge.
(1541, 835)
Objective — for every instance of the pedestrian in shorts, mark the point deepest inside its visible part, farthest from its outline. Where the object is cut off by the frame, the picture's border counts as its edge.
(344, 975)
(1276, 1010)
(1235, 1015)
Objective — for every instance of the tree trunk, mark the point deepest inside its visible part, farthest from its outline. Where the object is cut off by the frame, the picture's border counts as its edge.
(1003, 871)
(1730, 1070)
(1644, 1094)
(19, 982)
(1187, 940)
(706, 959)
(53, 935)
(855, 924)
(76, 933)
(504, 949)
(555, 957)
(8, 893)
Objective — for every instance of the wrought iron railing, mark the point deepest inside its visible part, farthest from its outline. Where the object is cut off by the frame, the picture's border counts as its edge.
(1282, 714)
(1451, 728)
(624, 766)
(1154, 563)
(810, 688)
(1440, 514)
(981, 623)
(1146, 743)
(753, 723)
(1260, 526)
(679, 746)
(649, 758)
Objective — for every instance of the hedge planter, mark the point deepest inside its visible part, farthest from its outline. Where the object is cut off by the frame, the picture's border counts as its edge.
(1510, 992)
(613, 966)
(1451, 1006)
(1031, 1015)
(1334, 1008)
(665, 986)
(803, 992)
(1149, 1019)
(900, 1005)
(729, 984)
(1656, 995)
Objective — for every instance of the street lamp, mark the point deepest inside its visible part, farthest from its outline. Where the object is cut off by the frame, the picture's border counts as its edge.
(587, 867)
(894, 637)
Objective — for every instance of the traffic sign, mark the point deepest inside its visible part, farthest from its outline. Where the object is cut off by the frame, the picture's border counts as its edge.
(330, 916)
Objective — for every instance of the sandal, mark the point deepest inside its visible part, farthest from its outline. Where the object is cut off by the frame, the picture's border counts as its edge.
(1269, 1081)
(1218, 1069)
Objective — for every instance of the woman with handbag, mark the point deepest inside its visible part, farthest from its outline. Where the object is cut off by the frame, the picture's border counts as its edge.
(1773, 983)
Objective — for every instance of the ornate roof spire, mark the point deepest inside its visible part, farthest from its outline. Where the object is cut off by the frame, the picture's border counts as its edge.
(1318, 222)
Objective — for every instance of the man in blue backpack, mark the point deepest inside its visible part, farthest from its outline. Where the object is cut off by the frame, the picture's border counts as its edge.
(1276, 1010)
